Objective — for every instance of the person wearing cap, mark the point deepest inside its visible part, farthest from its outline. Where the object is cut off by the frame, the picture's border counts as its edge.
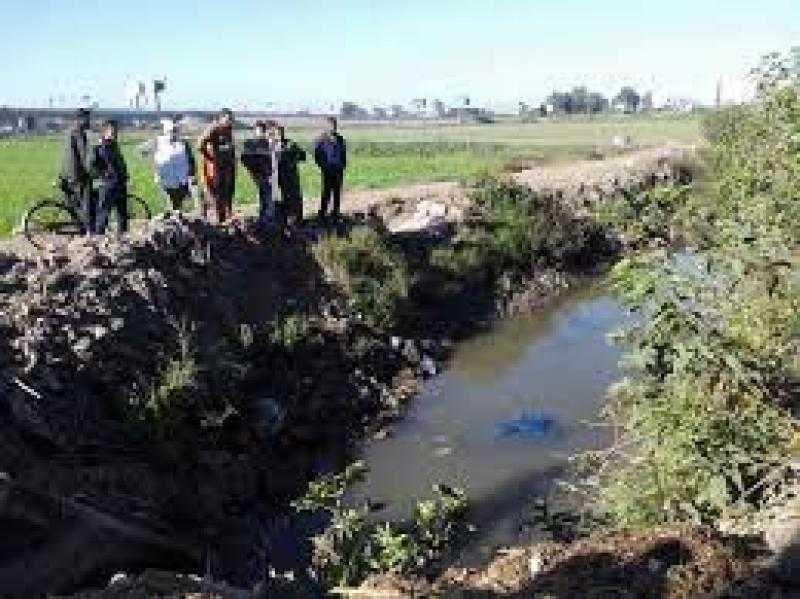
(108, 166)
(288, 154)
(330, 154)
(175, 165)
(219, 164)
(75, 179)
(257, 159)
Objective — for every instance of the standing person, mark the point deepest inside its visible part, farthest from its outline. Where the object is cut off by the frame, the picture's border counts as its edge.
(75, 179)
(257, 159)
(219, 164)
(175, 165)
(330, 154)
(288, 154)
(108, 165)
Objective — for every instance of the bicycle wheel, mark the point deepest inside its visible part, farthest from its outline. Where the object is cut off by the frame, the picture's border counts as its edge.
(51, 222)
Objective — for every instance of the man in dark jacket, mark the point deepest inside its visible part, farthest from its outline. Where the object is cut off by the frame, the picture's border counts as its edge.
(75, 179)
(219, 163)
(108, 165)
(330, 154)
(288, 154)
(257, 159)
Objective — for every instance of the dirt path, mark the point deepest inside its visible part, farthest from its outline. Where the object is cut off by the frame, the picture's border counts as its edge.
(424, 206)
(558, 176)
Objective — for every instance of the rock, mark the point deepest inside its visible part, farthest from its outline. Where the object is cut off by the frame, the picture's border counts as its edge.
(410, 351)
(535, 564)
(428, 366)
(117, 578)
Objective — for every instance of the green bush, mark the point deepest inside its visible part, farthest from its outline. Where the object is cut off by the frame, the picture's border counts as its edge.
(529, 229)
(646, 218)
(351, 548)
(703, 414)
(371, 274)
(697, 405)
(516, 230)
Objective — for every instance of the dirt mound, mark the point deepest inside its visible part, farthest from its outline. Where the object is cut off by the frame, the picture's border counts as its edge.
(281, 376)
(669, 563)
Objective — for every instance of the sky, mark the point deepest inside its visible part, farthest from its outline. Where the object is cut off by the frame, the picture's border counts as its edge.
(296, 54)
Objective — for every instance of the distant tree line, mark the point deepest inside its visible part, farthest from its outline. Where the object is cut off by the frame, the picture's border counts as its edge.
(582, 101)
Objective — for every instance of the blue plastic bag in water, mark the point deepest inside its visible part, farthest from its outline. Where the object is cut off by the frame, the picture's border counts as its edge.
(529, 425)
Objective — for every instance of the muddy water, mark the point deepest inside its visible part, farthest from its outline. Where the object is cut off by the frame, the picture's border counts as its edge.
(502, 419)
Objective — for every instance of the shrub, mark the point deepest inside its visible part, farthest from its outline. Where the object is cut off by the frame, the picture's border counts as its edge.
(371, 274)
(646, 218)
(705, 430)
(351, 548)
(520, 229)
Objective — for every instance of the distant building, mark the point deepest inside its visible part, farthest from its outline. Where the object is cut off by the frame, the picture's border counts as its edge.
(647, 102)
(472, 113)
(418, 106)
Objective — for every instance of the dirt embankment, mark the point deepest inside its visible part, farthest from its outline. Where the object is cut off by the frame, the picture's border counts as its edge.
(428, 205)
(155, 399)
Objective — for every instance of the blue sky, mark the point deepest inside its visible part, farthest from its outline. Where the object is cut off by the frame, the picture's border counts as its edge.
(298, 53)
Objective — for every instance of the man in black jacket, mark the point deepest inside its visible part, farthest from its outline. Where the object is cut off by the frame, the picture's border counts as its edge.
(108, 165)
(257, 159)
(330, 154)
(75, 179)
(288, 154)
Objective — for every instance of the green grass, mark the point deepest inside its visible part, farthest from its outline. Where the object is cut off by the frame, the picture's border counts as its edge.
(380, 156)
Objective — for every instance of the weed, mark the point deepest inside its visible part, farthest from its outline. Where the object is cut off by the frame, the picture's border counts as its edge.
(371, 274)
(705, 429)
(351, 548)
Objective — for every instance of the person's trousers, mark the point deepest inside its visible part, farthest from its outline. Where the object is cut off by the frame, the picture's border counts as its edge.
(112, 197)
(83, 195)
(220, 195)
(292, 209)
(266, 205)
(331, 188)
(177, 195)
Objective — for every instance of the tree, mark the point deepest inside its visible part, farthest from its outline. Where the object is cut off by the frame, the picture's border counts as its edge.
(774, 69)
(351, 110)
(578, 101)
(598, 102)
(628, 97)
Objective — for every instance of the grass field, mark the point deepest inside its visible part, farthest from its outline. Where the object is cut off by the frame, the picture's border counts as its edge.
(379, 156)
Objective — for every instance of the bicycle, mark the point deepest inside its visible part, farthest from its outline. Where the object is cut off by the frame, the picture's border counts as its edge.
(63, 217)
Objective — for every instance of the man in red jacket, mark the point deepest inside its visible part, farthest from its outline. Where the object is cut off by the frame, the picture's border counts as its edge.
(219, 164)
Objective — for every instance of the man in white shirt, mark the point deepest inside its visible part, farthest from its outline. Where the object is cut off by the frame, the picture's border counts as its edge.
(175, 166)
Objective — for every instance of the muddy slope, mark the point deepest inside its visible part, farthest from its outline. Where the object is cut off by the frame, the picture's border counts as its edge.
(90, 483)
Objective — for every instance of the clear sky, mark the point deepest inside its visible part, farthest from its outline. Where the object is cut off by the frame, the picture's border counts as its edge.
(314, 53)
